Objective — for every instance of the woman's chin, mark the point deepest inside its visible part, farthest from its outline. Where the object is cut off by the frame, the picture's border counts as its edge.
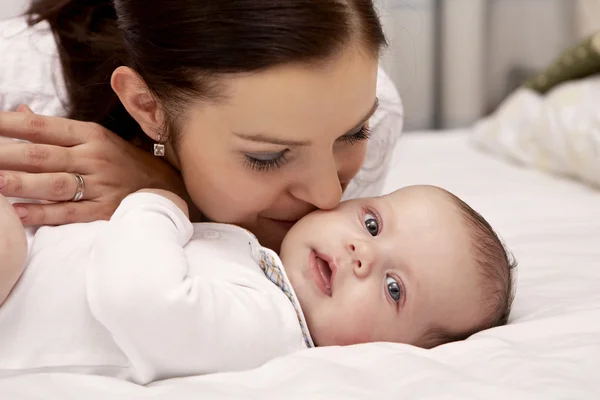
(272, 236)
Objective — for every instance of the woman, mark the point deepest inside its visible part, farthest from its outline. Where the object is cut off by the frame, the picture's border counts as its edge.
(261, 106)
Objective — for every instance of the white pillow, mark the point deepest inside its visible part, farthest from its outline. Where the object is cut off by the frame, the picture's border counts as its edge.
(558, 132)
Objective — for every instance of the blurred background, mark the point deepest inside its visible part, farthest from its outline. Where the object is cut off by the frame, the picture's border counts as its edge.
(453, 61)
(11, 8)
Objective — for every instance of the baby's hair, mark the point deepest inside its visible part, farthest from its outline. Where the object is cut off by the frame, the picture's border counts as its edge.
(497, 266)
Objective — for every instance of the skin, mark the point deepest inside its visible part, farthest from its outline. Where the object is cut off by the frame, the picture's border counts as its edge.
(13, 248)
(320, 108)
(399, 265)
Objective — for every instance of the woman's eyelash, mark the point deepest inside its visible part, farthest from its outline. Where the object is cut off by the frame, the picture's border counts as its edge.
(363, 134)
(265, 165)
(258, 165)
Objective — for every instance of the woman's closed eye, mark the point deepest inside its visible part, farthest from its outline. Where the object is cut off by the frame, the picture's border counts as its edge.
(364, 133)
(265, 162)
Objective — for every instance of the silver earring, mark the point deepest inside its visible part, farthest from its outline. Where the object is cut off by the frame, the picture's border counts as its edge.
(159, 148)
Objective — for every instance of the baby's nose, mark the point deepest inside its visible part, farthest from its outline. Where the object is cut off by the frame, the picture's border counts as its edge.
(362, 256)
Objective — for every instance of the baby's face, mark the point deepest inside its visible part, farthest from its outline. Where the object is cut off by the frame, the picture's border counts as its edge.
(384, 269)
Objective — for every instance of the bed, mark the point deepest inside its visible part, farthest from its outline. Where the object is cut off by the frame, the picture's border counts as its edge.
(549, 350)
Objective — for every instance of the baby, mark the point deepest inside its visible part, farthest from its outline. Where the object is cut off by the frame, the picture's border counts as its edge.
(149, 296)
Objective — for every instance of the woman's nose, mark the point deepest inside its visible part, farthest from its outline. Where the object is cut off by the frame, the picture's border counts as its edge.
(362, 256)
(321, 187)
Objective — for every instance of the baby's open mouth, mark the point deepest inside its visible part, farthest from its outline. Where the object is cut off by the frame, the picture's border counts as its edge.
(322, 272)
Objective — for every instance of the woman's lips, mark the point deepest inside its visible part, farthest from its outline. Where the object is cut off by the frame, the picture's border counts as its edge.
(321, 272)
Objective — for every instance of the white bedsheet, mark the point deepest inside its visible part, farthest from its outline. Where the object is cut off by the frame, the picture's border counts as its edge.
(550, 349)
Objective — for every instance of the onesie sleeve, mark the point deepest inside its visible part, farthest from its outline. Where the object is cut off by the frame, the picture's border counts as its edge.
(168, 321)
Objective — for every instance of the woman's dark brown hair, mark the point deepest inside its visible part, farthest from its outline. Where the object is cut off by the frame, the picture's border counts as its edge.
(180, 47)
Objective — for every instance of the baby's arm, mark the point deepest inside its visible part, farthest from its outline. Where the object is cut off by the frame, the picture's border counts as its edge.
(13, 248)
(140, 288)
(169, 320)
(138, 279)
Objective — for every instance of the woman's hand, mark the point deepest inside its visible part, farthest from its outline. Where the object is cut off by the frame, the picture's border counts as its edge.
(43, 169)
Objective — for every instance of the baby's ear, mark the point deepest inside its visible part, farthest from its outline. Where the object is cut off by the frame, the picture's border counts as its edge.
(138, 101)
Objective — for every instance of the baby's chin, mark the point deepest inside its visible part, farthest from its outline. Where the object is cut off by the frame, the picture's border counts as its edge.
(327, 335)
(331, 339)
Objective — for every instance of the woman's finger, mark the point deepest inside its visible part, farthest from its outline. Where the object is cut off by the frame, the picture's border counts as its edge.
(59, 213)
(51, 187)
(45, 130)
(28, 157)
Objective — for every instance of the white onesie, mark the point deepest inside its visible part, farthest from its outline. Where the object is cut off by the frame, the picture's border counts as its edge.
(148, 296)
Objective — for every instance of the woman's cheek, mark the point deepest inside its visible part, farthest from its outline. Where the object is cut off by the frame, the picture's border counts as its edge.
(220, 193)
(351, 161)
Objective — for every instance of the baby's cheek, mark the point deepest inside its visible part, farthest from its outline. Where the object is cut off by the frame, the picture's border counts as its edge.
(358, 326)
(357, 336)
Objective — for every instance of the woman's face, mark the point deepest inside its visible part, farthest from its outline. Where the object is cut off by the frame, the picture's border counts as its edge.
(281, 144)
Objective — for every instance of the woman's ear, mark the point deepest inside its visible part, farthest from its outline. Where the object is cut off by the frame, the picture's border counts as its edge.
(138, 101)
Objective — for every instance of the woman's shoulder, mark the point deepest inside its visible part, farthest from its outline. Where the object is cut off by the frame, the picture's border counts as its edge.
(31, 72)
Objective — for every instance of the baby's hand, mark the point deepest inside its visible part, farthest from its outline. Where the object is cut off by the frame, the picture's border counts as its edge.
(179, 202)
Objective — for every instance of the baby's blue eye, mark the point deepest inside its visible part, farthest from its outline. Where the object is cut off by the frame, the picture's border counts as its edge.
(394, 288)
(372, 224)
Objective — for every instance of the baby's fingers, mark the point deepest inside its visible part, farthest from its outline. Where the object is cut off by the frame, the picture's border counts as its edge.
(24, 108)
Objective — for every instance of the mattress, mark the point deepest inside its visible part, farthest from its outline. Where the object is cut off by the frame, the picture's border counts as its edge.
(549, 350)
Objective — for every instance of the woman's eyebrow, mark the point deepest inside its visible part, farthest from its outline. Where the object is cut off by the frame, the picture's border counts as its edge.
(366, 118)
(265, 138)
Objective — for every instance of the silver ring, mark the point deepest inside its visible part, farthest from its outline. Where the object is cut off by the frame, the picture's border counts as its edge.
(80, 187)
